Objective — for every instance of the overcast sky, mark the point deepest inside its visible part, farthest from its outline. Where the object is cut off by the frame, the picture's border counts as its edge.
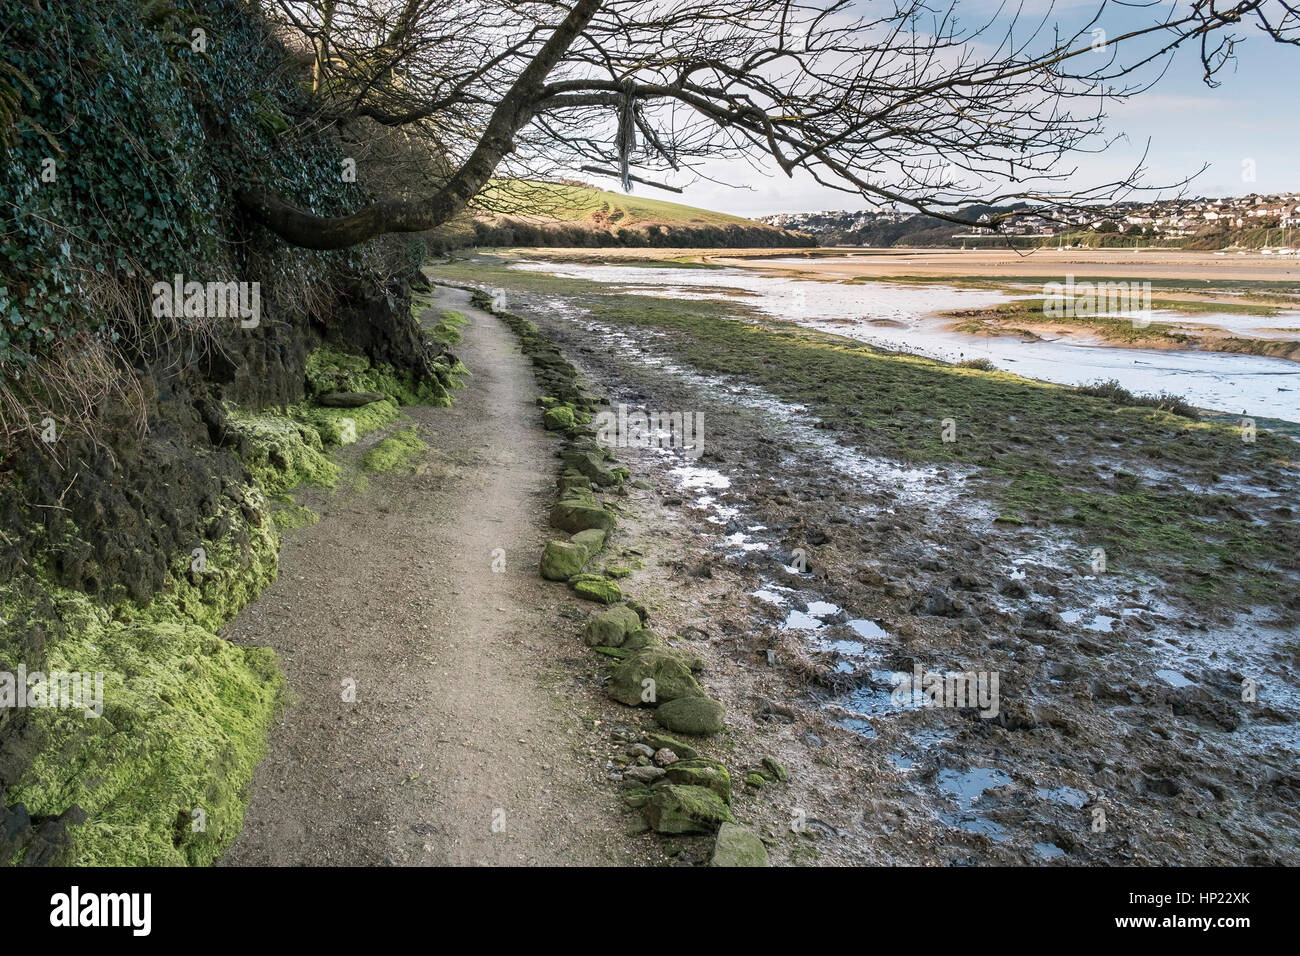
(1252, 116)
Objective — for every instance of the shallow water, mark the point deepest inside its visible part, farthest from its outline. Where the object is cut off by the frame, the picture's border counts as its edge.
(901, 316)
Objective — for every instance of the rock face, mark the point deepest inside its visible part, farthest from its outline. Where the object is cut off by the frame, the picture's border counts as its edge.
(691, 715)
(672, 679)
(685, 809)
(610, 627)
(736, 846)
(350, 399)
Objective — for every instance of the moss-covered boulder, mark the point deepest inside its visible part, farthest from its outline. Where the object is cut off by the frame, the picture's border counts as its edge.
(610, 627)
(591, 463)
(691, 715)
(650, 678)
(736, 846)
(702, 772)
(643, 637)
(573, 481)
(575, 514)
(686, 809)
(563, 559)
(595, 587)
(558, 418)
(773, 770)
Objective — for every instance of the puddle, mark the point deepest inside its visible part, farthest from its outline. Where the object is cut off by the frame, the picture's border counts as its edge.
(1067, 795)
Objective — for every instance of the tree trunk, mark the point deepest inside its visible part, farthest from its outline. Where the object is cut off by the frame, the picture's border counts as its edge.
(302, 228)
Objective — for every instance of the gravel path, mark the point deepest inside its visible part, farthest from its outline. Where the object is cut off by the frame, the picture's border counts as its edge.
(464, 744)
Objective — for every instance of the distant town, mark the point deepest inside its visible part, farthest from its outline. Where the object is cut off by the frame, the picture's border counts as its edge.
(1255, 221)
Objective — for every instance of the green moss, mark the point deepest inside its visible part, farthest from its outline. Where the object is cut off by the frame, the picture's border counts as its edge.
(596, 587)
(447, 331)
(289, 516)
(333, 370)
(397, 451)
(185, 713)
(342, 426)
(280, 452)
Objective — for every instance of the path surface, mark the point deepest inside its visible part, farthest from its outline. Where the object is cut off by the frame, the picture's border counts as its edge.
(462, 746)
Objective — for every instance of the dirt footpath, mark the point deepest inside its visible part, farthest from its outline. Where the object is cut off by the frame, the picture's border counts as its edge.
(464, 745)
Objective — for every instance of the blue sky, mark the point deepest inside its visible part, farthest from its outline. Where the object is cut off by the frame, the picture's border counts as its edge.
(1252, 116)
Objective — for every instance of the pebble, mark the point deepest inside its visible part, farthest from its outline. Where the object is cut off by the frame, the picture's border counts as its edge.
(664, 757)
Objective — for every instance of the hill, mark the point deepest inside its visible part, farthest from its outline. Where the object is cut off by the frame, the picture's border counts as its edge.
(528, 213)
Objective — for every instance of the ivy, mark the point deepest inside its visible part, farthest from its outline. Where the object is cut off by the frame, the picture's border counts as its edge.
(122, 145)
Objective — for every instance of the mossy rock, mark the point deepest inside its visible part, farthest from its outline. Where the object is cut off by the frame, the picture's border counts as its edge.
(610, 627)
(755, 780)
(558, 418)
(736, 846)
(563, 559)
(594, 587)
(280, 452)
(572, 482)
(686, 809)
(637, 797)
(671, 676)
(691, 715)
(642, 637)
(574, 515)
(591, 464)
(702, 772)
(773, 769)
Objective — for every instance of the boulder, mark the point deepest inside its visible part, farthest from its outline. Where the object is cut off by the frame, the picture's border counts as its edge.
(736, 846)
(672, 679)
(691, 715)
